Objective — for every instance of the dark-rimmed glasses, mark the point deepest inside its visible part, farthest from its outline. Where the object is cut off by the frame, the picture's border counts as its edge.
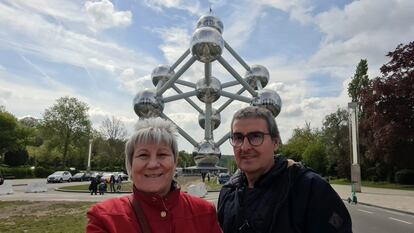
(254, 138)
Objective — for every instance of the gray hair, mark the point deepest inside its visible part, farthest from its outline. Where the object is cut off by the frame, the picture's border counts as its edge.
(151, 130)
(261, 113)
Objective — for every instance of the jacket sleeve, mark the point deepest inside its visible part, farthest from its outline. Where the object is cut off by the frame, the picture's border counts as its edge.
(325, 211)
(96, 222)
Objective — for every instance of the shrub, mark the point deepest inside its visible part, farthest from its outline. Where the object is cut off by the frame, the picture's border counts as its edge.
(17, 172)
(404, 176)
(41, 172)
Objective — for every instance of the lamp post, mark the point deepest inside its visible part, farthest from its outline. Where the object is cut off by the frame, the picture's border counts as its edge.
(354, 146)
(89, 156)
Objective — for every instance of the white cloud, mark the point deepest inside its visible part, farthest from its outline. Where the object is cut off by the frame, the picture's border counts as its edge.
(175, 42)
(33, 34)
(298, 10)
(190, 6)
(238, 28)
(103, 15)
(364, 29)
(23, 99)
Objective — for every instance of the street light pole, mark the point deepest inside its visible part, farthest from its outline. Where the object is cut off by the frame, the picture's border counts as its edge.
(354, 147)
(89, 155)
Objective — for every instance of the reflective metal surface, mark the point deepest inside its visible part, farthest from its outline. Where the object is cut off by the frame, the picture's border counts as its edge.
(208, 92)
(147, 104)
(161, 73)
(257, 73)
(210, 21)
(215, 119)
(206, 154)
(268, 99)
(207, 44)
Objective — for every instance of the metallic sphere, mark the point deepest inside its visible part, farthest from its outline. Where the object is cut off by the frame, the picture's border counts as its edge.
(210, 21)
(215, 119)
(268, 99)
(161, 73)
(207, 44)
(206, 154)
(148, 104)
(208, 92)
(257, 73)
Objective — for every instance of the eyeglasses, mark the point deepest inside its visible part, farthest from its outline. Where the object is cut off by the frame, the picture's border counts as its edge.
(254, 138)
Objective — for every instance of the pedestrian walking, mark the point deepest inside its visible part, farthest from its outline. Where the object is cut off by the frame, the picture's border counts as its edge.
(93, 186)
(112, 183)
(102, 187)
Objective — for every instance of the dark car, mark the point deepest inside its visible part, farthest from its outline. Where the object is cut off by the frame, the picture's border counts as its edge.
(223, 178)
(81, 176)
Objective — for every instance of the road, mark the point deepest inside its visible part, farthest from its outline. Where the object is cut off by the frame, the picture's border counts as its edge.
(365, 219)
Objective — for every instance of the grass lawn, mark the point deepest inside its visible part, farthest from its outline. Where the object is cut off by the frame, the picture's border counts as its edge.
(41, 217)
(372, 184)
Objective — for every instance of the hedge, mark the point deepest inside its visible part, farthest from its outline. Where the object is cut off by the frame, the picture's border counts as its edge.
(404, 176)
(17, 172)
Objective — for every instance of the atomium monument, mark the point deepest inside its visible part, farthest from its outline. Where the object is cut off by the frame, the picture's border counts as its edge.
(207, 45)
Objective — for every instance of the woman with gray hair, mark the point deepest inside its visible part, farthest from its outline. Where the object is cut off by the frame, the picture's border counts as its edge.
(157, 204)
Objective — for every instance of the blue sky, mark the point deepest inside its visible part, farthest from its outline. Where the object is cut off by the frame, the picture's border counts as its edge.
(103, 52)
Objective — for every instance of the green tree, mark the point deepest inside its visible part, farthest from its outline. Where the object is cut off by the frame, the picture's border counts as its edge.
(8, 134)
(314, 156)
(64, 123)
(335, 133)
(114, 132)
(359, 82)
(16, 157)
(185, 159)
(297, 144)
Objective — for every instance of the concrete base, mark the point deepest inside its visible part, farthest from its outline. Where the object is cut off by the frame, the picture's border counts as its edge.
(356, 177)
(36, 187)
(6, 187)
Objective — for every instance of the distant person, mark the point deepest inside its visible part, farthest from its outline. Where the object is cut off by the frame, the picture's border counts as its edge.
(93, 186)
(157, 204)
(271, 193)
(102, 187)
(203, 176)
(112, 182)
(119, 183)
(208, 176)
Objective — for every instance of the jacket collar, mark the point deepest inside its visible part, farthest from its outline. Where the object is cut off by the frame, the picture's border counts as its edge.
(239, 179)
(168, 201)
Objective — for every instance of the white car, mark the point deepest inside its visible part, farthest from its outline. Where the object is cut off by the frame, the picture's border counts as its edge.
(59, 176)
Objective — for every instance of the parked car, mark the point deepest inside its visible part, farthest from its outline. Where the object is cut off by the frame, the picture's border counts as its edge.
(59, 176)
(81, 176)
(223, 178)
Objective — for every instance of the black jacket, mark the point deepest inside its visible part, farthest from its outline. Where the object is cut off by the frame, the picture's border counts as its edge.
(286, 199)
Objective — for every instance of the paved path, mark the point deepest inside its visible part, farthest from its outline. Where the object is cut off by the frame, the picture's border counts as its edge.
(395, 199)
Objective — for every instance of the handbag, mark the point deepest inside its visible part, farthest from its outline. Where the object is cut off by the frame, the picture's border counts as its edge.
(139, 214)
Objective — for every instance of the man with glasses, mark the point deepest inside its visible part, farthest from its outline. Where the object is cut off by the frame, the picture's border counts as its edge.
(271, 193)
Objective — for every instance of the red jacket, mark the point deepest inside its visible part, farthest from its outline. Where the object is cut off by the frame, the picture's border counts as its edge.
(184, 214)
